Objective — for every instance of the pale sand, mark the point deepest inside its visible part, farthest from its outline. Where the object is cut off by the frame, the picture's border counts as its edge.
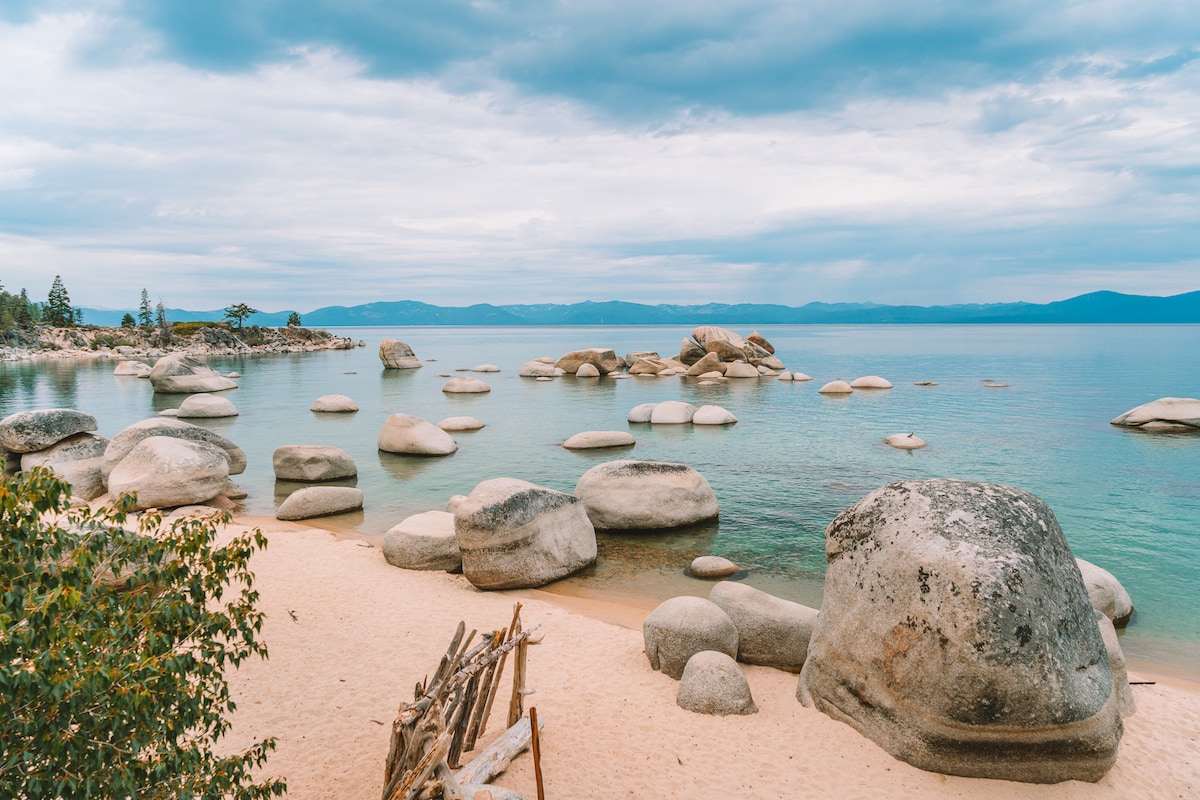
(365, 632)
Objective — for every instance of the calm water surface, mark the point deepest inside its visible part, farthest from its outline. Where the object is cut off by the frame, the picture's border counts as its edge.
(1127, 501)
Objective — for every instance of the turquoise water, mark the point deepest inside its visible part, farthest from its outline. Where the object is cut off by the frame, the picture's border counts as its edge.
(1127, 501)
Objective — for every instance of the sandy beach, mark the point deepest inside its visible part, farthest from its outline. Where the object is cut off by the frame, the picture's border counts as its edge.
(350, 635)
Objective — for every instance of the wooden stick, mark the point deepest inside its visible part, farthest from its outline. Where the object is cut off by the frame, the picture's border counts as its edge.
(475, 723)
(514, 628)
(516, 705)
(537, 752)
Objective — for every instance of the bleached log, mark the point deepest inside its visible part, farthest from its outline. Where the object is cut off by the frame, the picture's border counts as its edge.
(496, 757)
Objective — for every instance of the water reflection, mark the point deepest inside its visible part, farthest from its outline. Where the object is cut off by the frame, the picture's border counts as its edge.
(403, 468)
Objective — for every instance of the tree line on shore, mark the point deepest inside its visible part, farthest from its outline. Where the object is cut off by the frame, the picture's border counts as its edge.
(18, 312)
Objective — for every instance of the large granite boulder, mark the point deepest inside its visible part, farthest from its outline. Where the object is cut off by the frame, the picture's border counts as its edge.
(758, 339)
(870, 382)
(740, 369)
(604, 360)
(1105, 592)
(30, 431)
(76, 460)
(206, 406)
(681, 627)
(711, 362)
(312, 462)
(334, 404)
(127, 439)
(165, 472)
(672, 412)
(642, 412)
(514, 534)
(836, 387)
(690, 352)
(424, 541)
(713, 683)
(956, 633)
(409, 435)
(397, 355)
(539, 369)
(1164, 414)
(320, 501)
(713, 415)
(706, 335)
(645, 495)
(772, 632)
(180, 373)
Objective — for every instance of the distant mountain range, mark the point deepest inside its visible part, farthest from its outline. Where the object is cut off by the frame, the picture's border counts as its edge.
(1096, 307)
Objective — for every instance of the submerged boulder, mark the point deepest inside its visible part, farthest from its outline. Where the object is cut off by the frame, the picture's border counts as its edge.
(645, 495)
(672, 412)
(465, 384)
(409, 435)
(180, 373)
(132, 369)
(394, 354)
(514, 534)
(30, 431)
(956, 633)
(596, 440)
(206, 406)
(334, 404)
(1164, 414)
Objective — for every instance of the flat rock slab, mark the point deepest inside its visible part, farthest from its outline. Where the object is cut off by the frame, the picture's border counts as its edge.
(334, 404)
(311, 462)
(30, 431)
(460, 424)
(1164, 414)
(320, 501)
(595, 440)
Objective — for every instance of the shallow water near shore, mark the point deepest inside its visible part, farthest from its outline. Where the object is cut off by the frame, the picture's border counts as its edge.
(1127, 501)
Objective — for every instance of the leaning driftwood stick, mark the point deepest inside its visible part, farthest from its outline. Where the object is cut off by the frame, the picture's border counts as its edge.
(514, 628)
(537, 752)
(475, 723)
(516, 706)
(496, 757)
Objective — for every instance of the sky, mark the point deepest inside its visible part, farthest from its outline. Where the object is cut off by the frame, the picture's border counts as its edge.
(294, 155)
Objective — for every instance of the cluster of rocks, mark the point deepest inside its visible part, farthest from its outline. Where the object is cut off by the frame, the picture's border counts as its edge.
(677, 412)
(509, 533)
(166, 462)
(136, 343)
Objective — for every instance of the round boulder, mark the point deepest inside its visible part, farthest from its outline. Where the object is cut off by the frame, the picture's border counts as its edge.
(645, 495)
(320, 501)
(672, 412)
(30, 431)
(713, 683)
(641, 413)
(772, 632)
(165, 472)
(409, 435)
(587, 371)
(334, 404)
(465, 384)
(312, 462)
(517, 535)
(595, 440)
(904, 441)
(740, 369)
(834, 387)
(76, 460)
(424, 541)
(681, 627)
(870, 382)
(956, 633)
(712, 567)
(1164, 414)
(127, 439)
(206, 406)
(180, 373)
(713, 415)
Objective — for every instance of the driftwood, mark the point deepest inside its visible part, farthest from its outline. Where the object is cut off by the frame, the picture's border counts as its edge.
(449, 712)
(495, 758)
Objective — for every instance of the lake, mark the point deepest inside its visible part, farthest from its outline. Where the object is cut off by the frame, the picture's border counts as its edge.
(1128, 501)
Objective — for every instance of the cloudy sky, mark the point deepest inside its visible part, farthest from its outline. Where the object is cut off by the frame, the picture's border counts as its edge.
(335, 152)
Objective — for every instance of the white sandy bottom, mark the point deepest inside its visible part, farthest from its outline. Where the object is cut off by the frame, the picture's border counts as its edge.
(365, 632)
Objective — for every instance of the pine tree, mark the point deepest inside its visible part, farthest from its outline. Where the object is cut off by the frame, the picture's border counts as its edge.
(164, 327)
(294, 320)
(58, 311)
(238, 314)
(145, 316)
(26, 313)
(128, 321)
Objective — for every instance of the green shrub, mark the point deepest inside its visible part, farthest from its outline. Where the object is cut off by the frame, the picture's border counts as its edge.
(189, 328)
(112, 650)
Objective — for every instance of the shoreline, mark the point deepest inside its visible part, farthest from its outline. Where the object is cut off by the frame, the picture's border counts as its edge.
(628, 609)
(349, 635)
